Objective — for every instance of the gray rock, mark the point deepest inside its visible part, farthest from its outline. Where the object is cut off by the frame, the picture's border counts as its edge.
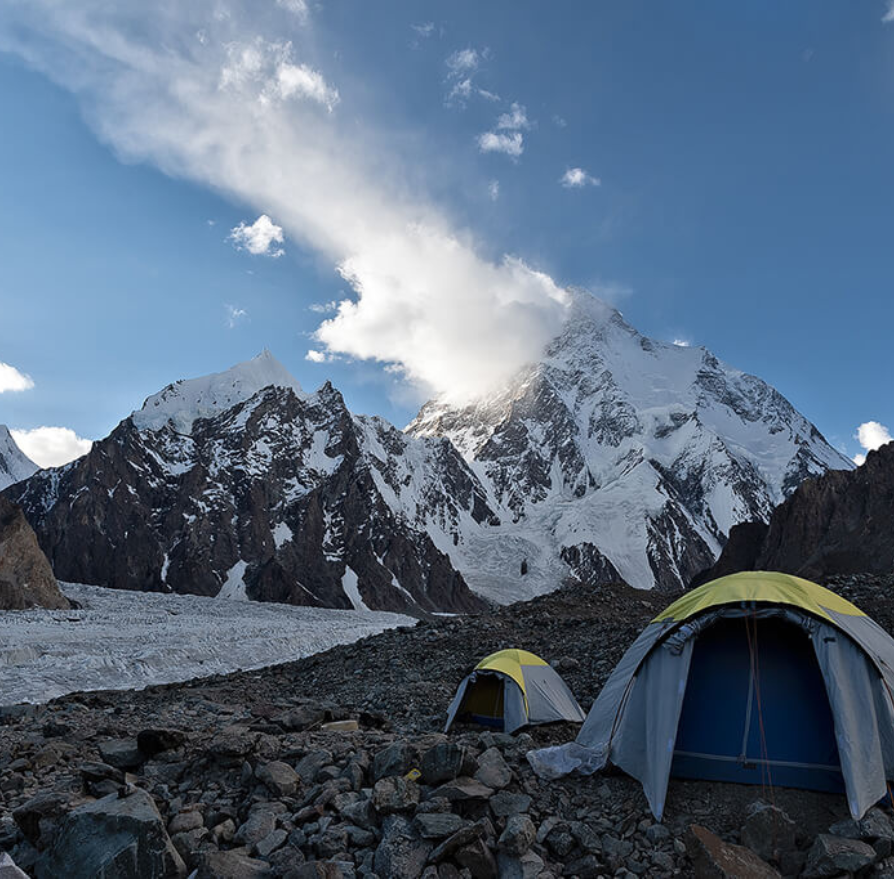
(261, 822)
(830, 855)
(657, 834)
(662, 861)
(560, 842)
(518, 835)
(400, 854)
(95, 771)
(712, 857)
(8, 868)
(311, 764)
(38, 809)
(120, 837)
(444, 762)
(458, 840)
(122, 753)
(588, 867)
(478, 859)
(301, 717)
(505, 804)
(232, 865)
(271, 843)
(279, 778)
(462, 789)
(528, 866)
(233, 742)
(768, 831)
(396, 759)
(394, 794)
(438, 825)
(183, 822)
(493, 771)
(875, 824)
(587, 838)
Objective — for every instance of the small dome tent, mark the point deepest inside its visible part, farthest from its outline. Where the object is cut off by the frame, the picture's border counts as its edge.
(758, 677)
(510, 689)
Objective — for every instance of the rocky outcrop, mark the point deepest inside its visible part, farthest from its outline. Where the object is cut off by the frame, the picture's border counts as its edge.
(836, 524)
(26, 578)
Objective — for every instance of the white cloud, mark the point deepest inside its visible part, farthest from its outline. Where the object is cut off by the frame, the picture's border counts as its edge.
(318, 356)
(577, 178)
(682, 343)
(304, 81)
(871, 435)
(51, 446)
(464, 61)
(559, 121)
(889, 13)
(13, 380)
(515, 120)
(512, 144)
(493, 189)
(234, 315)
(424, 296)
(424, 30)
(258, 237)
(323, 307)
(296, 7)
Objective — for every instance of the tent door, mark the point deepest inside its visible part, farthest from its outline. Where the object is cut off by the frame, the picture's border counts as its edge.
(756, 709)
(483, 701)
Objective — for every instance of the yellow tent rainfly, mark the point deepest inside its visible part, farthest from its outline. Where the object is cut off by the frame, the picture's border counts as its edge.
(757, 678)
(510, 689)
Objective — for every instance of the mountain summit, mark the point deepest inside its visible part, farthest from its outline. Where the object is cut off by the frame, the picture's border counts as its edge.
(617, 455)
(15, 465)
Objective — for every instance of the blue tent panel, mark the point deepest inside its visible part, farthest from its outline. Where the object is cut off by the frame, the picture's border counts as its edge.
(756, 709)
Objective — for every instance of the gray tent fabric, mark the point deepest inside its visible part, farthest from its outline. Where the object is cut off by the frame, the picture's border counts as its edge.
(633, 722)
(644, 745)
(549, 698)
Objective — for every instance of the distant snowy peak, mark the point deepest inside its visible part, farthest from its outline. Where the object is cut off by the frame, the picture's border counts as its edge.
(184, 401)
(625, 455)
(15, 465)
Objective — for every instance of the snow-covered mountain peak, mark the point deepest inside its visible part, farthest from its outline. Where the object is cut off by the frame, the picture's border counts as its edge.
(15, 465)
(182, 402)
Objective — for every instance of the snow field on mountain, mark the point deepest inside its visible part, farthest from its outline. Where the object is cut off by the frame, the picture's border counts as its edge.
(130, 640)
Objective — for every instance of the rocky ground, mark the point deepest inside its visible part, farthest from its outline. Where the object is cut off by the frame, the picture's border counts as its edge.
(335, 766)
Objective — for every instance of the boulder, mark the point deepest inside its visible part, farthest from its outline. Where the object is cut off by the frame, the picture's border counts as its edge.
(396, 759)
(528, 866)
(493, 771)
(279, 778)
(261, 822)
(39, 809)
(831, 855)
(477, 858)
(232, 865)
(712, 858)
(123, 837)
(875, 824)
(518, 835)
(438, 825)
(8, 868)
(462, 789)
(768, 831)
(394, 794)
(505, 804)
(122, 753)
(312, 763)
(26, 578)
(444, 762)
(400, 854)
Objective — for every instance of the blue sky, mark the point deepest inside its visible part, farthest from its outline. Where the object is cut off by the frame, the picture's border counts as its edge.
(733, 161)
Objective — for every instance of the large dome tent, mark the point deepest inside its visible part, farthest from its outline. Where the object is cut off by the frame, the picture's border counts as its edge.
(757, 677)
(510, 689)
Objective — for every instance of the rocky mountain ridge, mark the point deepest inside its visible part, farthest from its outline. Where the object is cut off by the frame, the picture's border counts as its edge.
(838, 523)
(614, 457)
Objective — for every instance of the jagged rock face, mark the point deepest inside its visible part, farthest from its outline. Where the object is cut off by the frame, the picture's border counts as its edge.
(26, 579)
(837, 524)
(283, 496)
(14, 464)
(619, 455)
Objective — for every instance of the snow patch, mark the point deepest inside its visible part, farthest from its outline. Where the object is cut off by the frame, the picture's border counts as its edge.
(349, 582)
(234, 586)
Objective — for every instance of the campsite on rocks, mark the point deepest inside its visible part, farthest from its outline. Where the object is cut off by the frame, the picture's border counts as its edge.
(446, 440)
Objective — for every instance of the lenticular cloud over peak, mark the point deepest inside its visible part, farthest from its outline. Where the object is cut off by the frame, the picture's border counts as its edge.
(212, 92)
